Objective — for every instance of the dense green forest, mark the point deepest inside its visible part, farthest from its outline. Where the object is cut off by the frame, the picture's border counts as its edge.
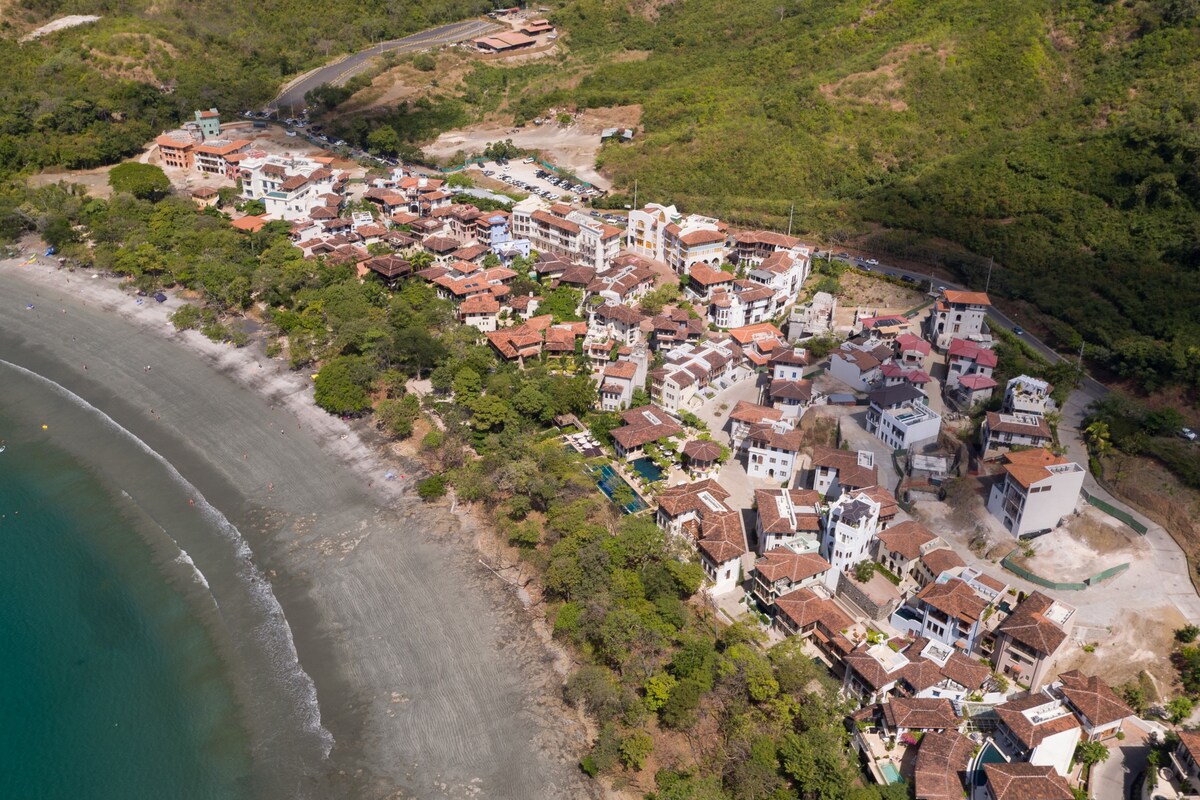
(91, 95)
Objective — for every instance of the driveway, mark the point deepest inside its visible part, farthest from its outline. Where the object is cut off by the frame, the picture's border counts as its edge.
(1113, 779)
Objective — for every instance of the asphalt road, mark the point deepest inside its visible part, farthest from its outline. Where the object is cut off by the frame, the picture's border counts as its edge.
(343, 69)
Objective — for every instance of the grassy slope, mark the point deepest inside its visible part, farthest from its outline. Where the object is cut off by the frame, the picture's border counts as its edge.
(1058, 136)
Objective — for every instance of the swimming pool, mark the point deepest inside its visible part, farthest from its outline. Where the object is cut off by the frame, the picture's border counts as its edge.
(891, 773)
(608, 481)
(990, 754)
(648, 469)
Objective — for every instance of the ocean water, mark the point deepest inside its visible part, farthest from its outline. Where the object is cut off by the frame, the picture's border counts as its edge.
(142, 656)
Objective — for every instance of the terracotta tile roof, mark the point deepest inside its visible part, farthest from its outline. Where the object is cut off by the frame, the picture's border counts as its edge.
(390, 267)
(722, 538)
(972, 351)
(549, 220)
(955, 598)
(966, 298)
(578, 275)
(920, 713)
(795, 356)
(850, 473)
(1028, 625)
(249, 224)
(771, 238)
(906, 539)
(781, 563)
(643, 425)
(907, 342)
(1007, 423)
(1190, 742)
(778, 507)
(888, 507)
(1027, 467)
(804, 607)
(745, 411)
(686, 498)
(864, 361)
(940, 560)
(1027, 733)
(766, 435)
(1021, 780)
(470, 252)
(479, 304)
(1093, 698)
(619, 312)
(749, 333)
(801, 390)
(977, 383)
(870, 670)
(940, 772)
(702, 237)
(702, 451)
(441, 244)
(621, 369)
(707, 276)
(521, 340)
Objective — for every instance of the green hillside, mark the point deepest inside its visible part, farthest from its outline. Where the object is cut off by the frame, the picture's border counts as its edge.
(94, 94)
(1060, 137)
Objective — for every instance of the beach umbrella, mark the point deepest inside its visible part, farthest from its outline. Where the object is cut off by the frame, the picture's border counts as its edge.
(160, 297)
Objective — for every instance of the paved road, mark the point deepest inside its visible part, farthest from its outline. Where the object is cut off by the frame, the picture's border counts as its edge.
(343, 69)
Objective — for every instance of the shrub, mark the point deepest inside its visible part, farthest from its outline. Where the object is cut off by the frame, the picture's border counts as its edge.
(431, 488)
(186, 317)
(1187, 634)
(635, 749)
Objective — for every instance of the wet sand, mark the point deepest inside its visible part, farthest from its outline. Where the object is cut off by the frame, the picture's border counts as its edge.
(428, 672)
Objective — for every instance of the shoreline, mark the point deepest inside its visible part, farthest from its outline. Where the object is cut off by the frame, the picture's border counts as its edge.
(428, 672)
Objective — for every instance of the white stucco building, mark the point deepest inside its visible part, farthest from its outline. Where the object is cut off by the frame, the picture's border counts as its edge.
(1037, 490)
(849, 526)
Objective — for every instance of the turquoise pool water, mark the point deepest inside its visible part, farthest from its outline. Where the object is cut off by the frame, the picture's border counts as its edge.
(647, 469)
(890, 772)
(609, 482)
(990, 754)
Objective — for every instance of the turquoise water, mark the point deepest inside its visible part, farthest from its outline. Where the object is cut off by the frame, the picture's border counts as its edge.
(648, 469)
(890, 772)
(989, 754)
(109, 684)
(609, 481)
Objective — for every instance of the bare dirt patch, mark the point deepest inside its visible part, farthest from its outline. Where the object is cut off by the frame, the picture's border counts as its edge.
(883, 85)
(62, 23)
(1090, 543)
(1135, 643)
(876, 296)
(573, 146)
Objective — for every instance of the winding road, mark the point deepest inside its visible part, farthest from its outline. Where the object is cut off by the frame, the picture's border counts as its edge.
(341, 70)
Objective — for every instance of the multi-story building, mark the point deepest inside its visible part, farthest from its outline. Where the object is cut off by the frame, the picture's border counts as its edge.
(788, 518)
(849, 526)
(689, 369)
(698, 512)
(858, 363)
(899, 417)
(950, 612)
(212, 155)
(1100, 711)
(900, 547)
(177, 150)
(744, 416)
(782, 571)
(663, 234)
(772, 449)
(620, 379)
(751, 248)
(641, 427)
(1026, 395)
(957, 315)
(561, 229)
(1019, 780)
(836, 471)
(1028, 640)
(676, 327)
(290, 187)
(208, 123)
(1001, 432)
(625, 282)
(1037, 490)
(1039, 730)
(608, 320)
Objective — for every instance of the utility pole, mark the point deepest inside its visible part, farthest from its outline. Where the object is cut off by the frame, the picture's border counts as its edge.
(791, 214)
(635, 205)
(988, 285)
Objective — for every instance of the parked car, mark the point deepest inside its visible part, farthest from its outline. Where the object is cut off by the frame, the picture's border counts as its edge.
(1188, 433)
(1018, 330)
(289, 133)
(874, 262)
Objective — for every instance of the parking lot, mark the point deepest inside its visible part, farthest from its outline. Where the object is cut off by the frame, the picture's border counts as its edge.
(528, 176)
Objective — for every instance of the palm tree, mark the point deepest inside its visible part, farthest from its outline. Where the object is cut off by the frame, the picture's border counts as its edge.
(421, 260)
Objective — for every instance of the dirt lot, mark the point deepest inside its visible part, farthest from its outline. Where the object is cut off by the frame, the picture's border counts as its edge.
(1090, 543)
(573, 146)
(876, 296)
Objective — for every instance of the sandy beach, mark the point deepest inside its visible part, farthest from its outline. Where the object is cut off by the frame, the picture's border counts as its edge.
(429, 672)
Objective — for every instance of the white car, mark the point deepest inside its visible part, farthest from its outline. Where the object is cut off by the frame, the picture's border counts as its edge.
(874, 262)
(289, 133)
(1188, 434)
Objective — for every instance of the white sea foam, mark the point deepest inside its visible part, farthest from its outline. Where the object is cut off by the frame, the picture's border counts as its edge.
(275, 633)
